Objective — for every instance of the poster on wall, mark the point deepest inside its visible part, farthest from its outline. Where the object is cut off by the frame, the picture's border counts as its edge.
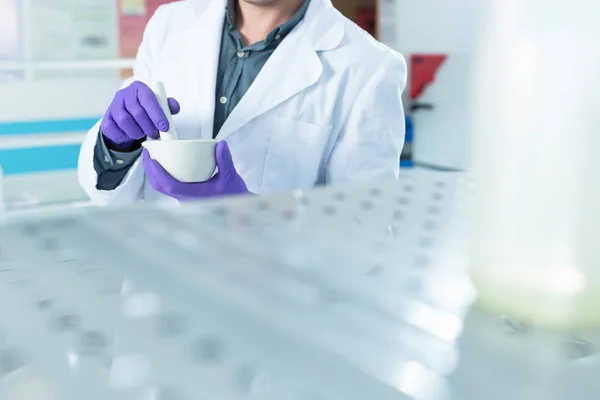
(11, 40)
(133, 17)
(72, 30)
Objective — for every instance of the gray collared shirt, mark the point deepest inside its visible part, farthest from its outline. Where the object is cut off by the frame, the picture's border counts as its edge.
(239, 65)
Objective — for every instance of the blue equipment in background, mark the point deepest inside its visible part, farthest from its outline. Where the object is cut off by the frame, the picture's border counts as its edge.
(406, 159)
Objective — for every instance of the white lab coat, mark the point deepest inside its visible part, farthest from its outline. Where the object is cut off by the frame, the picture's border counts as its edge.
(325, 109)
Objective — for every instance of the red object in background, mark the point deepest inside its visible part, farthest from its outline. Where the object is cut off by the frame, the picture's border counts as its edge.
(133, 17)
(423, 68)
(132, 25)
(366, 18)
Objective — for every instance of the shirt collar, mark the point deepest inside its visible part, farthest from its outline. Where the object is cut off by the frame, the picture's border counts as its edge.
(230, 12)
(282, 30)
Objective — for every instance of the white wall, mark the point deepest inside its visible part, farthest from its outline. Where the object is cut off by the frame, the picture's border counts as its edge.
(448, 27)
(57, 98)
(50, 100)
(438, 26)
(48, 106)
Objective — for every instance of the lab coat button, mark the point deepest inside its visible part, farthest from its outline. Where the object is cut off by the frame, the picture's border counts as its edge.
(223, 100)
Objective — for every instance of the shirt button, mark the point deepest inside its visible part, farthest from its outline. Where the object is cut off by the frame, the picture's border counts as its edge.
(223, 100)
(277, 37)
(120, 162)
(241, 54)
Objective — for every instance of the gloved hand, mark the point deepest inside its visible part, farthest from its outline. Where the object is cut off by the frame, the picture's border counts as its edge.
(225, 182)
(133, 115)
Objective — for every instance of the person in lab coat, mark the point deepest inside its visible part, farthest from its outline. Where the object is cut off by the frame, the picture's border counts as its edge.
(296, 94)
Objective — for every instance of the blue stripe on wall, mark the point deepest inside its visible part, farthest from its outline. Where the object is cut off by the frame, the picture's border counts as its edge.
(47, 127)
(39, 159)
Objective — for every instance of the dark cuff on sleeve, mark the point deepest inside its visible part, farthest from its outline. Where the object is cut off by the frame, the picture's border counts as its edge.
(112, 166)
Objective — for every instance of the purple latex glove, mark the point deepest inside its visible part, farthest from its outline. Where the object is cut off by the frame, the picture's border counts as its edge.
(133, 115)
(225, 182)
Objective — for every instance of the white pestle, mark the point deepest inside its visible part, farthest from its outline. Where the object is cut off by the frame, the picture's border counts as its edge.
(161, 95)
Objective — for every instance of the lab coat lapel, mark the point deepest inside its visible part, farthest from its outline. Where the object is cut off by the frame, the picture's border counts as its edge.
(201, 48)
(290, 69)
(293, 67)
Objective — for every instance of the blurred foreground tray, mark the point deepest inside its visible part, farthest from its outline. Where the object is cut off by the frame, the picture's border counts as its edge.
(355, 292)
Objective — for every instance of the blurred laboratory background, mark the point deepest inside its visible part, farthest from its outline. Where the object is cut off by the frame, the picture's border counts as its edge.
(474, 276)
(62, 61)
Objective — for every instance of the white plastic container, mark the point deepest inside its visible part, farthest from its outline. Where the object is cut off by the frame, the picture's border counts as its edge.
(534, 145)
